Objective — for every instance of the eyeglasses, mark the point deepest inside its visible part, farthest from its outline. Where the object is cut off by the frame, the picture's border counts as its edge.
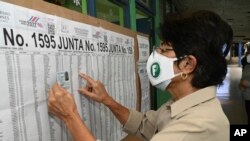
(162, 49)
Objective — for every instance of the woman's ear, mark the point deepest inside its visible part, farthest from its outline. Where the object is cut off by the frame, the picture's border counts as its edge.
(188, 64)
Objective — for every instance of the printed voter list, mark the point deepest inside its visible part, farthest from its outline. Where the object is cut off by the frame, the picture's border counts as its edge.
(34, 47)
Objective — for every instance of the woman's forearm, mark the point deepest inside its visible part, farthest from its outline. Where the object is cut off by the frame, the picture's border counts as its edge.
(120, 112)
(78, 129)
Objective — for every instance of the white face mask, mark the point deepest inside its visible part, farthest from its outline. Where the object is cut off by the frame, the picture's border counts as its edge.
(160, 70)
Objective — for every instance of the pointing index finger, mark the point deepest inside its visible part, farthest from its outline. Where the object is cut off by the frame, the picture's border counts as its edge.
(88, 78)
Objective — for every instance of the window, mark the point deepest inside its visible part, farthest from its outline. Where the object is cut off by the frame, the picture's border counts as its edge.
(147, 3)
(109, 11)
(143, 22)
(71, 4)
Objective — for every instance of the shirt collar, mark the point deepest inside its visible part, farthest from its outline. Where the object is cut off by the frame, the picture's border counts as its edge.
(193, 99)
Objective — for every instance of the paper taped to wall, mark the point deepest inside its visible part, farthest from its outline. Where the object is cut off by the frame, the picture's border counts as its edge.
(34, 46)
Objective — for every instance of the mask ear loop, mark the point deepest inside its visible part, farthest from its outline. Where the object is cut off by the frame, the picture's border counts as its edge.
(183, 75)
(179, 59)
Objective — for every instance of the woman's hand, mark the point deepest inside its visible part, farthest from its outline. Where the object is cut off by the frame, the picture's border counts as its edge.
(61, 103)
(94, 90)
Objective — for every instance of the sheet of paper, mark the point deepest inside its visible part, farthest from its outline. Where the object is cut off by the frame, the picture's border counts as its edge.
(143, 44)
(145, 87)
(35, 46)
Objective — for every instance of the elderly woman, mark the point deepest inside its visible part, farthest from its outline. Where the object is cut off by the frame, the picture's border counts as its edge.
(189, 64)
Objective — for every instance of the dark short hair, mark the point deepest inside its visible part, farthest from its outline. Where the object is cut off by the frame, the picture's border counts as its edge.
(201, 34)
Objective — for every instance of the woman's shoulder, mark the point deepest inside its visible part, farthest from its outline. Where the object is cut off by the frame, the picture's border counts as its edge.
(209, 110)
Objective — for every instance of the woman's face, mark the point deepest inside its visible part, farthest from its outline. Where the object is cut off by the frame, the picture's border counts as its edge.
(167, 50)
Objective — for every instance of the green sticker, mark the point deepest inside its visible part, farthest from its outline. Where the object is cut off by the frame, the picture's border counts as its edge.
(155, 70)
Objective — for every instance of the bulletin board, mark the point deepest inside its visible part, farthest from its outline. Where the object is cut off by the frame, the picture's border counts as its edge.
(39, 39)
